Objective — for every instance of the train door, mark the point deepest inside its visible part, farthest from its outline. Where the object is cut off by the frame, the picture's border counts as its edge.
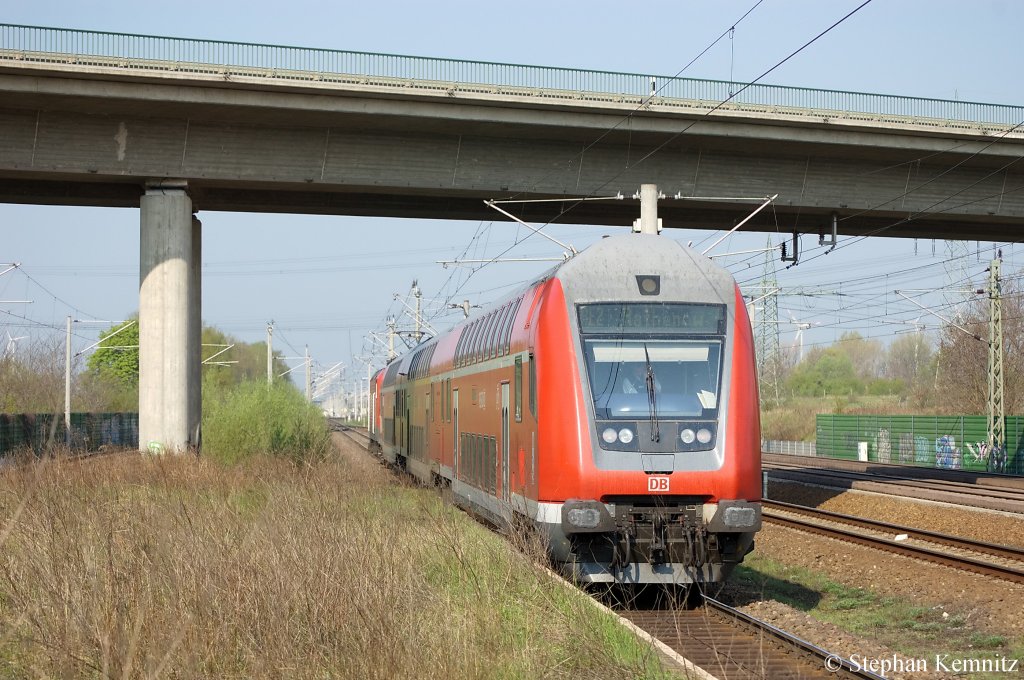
(455, 434)
(504, 443)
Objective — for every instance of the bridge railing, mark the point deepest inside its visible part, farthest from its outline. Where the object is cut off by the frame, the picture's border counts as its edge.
(134, 50)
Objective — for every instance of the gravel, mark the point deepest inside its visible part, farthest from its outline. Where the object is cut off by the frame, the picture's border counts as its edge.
(985, 604)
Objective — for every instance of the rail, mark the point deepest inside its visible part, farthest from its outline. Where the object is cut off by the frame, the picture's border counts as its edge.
(723, 641)
(826, 524)
(135, 51)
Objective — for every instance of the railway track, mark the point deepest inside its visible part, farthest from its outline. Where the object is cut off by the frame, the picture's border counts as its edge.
(1006, 499)
(899, 470)
(721, 640)
(1003, 562)
(726, 643)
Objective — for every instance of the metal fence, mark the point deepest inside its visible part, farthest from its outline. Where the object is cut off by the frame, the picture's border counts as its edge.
(40, 432)
(952, 442)
(789, 447)
(132, 51)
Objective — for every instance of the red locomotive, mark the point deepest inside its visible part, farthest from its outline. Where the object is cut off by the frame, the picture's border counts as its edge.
(613, 403)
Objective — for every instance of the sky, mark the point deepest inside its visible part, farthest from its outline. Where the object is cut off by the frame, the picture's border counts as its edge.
(326, 282)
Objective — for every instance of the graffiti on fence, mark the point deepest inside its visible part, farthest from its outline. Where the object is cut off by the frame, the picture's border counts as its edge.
(883, 445)
(947, 455)
(906, 447)
(923, 451)
(994, 457)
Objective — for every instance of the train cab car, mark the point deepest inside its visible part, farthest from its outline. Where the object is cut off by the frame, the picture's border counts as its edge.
(646, 347)
(612, 402)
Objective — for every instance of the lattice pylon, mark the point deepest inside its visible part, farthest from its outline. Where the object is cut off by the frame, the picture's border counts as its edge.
(766, 316)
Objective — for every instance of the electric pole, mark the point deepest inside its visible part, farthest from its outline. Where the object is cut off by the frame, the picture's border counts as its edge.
(67, 386)
(416, 293)
(767, 321)
(391, 339)
(996, 413)
(309, 377)
(958, 279)
(270, 353)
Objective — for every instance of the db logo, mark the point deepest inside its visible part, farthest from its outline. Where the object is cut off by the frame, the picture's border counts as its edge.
(657, 484)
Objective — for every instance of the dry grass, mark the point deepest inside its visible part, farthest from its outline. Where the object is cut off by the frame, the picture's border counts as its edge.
(131, 566)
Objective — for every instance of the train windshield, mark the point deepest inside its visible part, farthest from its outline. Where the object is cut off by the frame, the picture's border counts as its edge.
(674, 348)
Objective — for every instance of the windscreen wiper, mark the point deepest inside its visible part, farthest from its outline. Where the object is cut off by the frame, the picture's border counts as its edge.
(652, 397)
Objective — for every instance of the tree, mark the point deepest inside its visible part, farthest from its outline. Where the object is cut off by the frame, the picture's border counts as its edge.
(113, 376)
(116, 358)
(910, 362)
(865, 355)
(825, 372)
(962, 374)
(32, 378)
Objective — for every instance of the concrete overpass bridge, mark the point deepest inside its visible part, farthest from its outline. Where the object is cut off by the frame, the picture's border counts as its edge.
(172, 126)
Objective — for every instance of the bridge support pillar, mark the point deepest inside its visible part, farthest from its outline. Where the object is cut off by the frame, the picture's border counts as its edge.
(195, 329)
(169, 348)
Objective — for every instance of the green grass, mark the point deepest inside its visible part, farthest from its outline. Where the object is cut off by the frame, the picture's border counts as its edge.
(904, 626)
(139, 566)
(252, 418)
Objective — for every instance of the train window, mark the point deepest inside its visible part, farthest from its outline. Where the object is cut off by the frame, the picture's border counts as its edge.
(685, 374)
(459, 346)
(496, 349)
(482, 340)
(492, 341)
(430, 405)
(475, 476)
(474, 352)
(533, 386)
(505, 311)
(506, 320)
(467, 348)
(492, 469)
(485, 346)
(511, 321)
(481, 347)
(500, 335)
(467, 351)
(519, 389)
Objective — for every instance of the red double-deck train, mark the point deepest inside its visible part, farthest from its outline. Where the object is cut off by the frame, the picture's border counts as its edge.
(612, 402)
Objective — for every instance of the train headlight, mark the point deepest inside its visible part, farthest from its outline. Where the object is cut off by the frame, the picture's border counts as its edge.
(688, 436)
(609, 435)
(740, 517)
(703, 435)
(625, 435)
(583, 518)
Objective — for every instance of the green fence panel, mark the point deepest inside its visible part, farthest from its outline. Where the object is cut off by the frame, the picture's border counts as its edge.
(950, 442)
(39, 432)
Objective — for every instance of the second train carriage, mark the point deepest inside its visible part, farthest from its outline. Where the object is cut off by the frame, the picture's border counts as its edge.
(613, 402)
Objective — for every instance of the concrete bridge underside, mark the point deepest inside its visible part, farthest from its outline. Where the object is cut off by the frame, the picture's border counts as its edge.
(96, 139)
(173, 144)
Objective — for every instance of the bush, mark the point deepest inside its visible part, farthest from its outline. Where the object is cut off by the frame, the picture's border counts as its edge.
(251, 419)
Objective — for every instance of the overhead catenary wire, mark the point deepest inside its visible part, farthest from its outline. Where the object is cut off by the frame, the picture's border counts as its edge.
(630, 166)
(625, 119)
